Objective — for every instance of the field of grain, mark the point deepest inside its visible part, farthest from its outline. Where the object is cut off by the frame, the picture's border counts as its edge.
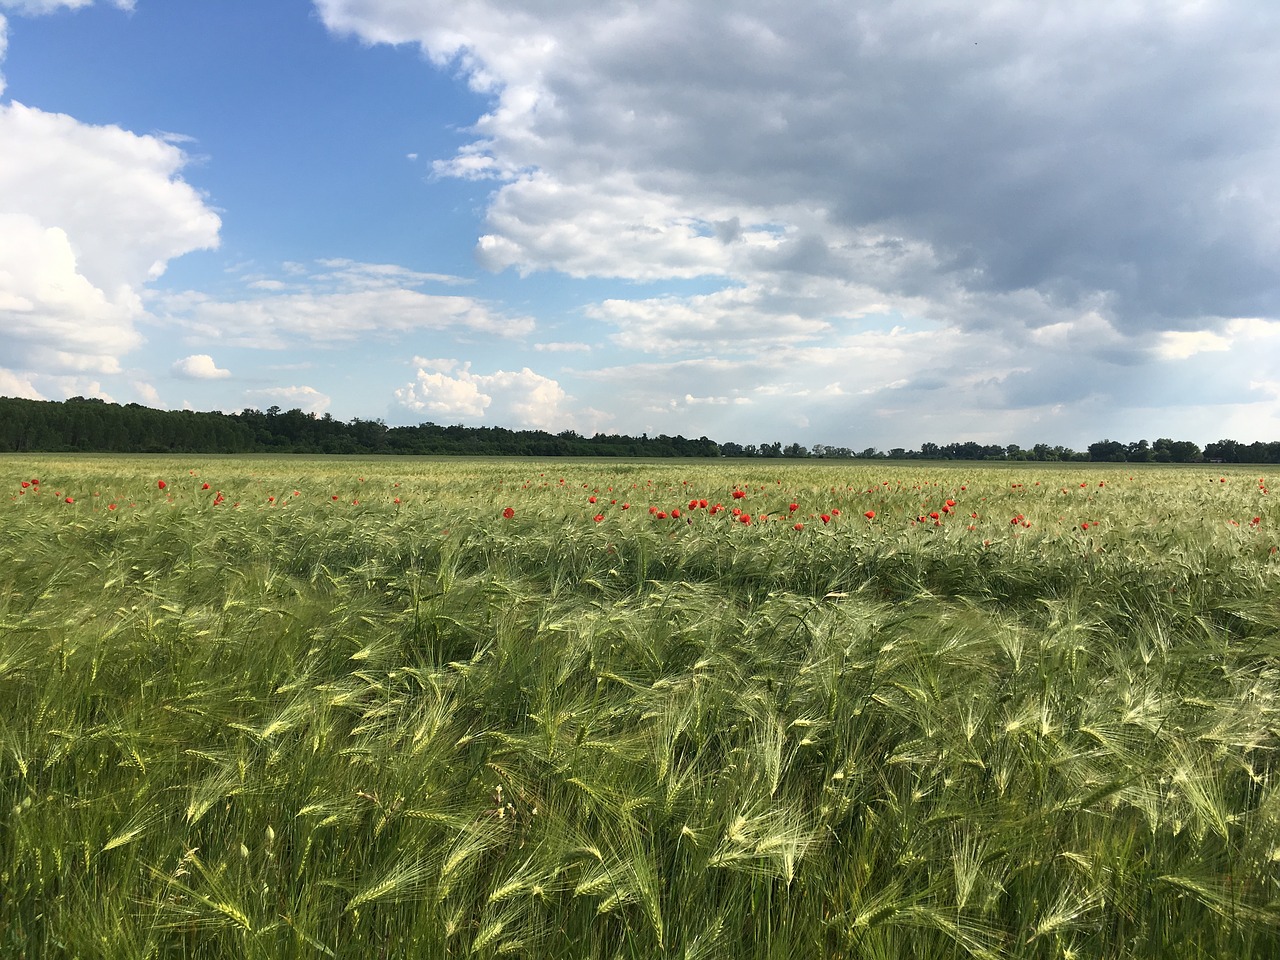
(277, 708)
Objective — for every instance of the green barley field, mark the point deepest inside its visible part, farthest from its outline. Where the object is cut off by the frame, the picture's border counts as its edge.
(422, 708)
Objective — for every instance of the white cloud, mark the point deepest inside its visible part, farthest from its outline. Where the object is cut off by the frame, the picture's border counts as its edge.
(1181, 344)
(13, 384)
(37, 7)
(276, 322)
(342, 302)
(343, 274)
(199, 366)
(88, 215)
(147, 394)
(306, 399)
(442, 395)
(510, 398)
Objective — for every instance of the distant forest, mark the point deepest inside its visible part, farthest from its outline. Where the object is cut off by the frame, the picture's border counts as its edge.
(89, 425)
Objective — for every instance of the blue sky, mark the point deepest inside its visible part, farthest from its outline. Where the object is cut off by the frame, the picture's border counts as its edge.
(932, 221)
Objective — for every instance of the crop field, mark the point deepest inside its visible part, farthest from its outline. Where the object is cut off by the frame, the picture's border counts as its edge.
(273, 708)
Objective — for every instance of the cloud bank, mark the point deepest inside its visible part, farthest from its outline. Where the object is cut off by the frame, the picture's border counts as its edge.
(1042, 179)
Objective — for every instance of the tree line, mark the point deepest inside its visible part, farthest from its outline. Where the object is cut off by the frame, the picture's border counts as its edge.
(90, 425)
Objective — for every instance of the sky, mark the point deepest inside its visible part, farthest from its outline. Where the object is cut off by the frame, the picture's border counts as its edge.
(871, 224)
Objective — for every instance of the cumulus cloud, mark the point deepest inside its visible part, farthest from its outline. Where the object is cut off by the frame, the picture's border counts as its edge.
(147, 393)
(88, 215)
(16, 385)
(199, 366)
(518, 398)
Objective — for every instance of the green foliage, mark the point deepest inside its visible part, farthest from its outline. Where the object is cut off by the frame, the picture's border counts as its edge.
(376, 718)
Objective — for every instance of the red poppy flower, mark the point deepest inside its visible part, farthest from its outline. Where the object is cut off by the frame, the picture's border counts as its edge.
(870, 514)
(933, 515)
(702, 504)
(204, 487)
(591, 499)
(25, 484)
(675, 514)
(71, 499)
(626, 506)
(693, 504)
(111, 506)
(745, 518)
(598, 517)
(798, 526)
(793, 507)
(825, 518)
(335, 497)
(739, 494)
(161, 484)
(661, 514)
(835, 512)
(508, 513)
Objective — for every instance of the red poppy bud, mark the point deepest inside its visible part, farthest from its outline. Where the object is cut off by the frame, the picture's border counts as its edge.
(508, 513)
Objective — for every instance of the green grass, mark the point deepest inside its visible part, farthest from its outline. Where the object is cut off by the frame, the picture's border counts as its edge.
(311, 727)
